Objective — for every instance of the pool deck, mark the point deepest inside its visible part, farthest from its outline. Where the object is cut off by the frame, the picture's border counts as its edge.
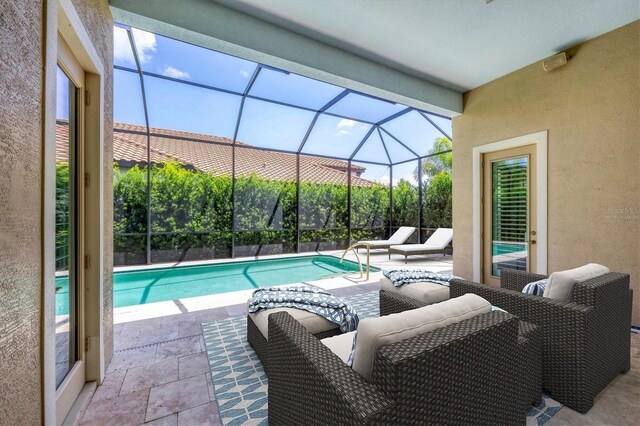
(159, 373)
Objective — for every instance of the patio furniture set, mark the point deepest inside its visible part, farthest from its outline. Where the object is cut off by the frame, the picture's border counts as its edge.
(466, 353)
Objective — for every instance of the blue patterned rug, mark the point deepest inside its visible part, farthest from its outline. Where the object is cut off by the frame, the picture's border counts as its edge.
(240, 384)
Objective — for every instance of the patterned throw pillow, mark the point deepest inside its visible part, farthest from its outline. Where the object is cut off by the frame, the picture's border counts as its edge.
(535, 288)
(353, 349)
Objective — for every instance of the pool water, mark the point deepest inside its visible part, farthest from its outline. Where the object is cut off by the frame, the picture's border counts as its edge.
(157, 285)
(506, 248)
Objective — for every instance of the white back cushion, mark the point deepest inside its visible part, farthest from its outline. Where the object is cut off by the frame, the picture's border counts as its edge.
(340, 345)
(376, 332)
(560, 284)
(441, 238)
(402, 234)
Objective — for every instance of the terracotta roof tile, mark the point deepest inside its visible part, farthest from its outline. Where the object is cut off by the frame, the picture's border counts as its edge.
(213, 154)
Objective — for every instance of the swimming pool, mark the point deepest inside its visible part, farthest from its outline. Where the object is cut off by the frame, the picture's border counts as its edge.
(157, 285)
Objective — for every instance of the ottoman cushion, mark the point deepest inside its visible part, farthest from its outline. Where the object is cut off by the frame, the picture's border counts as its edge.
(425, 292)
(312, 322)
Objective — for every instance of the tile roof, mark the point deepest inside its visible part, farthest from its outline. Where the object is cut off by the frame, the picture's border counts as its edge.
(213, 154)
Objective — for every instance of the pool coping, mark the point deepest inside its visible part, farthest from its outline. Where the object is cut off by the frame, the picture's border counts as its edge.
(199, 303)
(334, 253)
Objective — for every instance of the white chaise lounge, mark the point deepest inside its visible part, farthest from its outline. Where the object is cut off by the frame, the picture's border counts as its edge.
(438, 242)
(398, 237)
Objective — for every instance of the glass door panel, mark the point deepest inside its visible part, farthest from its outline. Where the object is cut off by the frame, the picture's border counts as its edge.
(66, 227)
(509, 207)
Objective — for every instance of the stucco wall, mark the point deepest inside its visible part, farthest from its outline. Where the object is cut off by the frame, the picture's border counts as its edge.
(21, 164)
(591, 110)
(21, 25)
(97, 20)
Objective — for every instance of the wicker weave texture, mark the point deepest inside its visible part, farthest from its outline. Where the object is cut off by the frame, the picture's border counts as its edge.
(392, 303)
(256, 339)
(586, 341)
(309, 385)
(529, 342)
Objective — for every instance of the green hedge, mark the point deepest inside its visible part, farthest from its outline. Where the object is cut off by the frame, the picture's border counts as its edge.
(191, 213)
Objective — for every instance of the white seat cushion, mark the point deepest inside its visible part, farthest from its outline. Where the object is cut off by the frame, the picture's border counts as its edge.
(376, 332)
(560, 284)
(440, 239)
(409, 248)
(399, 237)
(425, 292)
(340, 344)
(312, 322)
(378, 243)
(402, 234)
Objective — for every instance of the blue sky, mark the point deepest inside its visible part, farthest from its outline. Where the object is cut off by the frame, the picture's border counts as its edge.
(173, 105)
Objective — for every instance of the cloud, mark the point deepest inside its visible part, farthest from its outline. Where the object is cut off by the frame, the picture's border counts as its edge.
(175, 73)
(410, 178)
(245, 73)
(385, 180)
(122, 47)
(344, 125)
(145, 42)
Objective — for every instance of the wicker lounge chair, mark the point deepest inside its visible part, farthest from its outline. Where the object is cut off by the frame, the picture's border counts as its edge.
(469, 372)
(437, 243)
(586, 340)
(399, 237)
(530, 340)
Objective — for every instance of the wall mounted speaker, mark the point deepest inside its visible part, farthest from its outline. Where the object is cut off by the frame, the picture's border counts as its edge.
(554, 61)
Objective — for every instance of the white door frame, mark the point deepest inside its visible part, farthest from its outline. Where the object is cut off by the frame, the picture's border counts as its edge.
(62, 18)
(538, 139)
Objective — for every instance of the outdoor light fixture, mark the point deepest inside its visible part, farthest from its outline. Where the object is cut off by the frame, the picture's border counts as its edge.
(555, 61)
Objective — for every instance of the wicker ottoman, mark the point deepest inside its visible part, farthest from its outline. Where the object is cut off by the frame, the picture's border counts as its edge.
(258, 329)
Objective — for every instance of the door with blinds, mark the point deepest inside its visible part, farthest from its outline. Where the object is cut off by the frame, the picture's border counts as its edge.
(508, 200)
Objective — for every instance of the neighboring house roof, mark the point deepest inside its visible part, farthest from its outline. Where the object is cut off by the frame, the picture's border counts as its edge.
(213, 154)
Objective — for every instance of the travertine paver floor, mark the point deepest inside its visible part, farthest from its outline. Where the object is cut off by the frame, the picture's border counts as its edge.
(159, 373)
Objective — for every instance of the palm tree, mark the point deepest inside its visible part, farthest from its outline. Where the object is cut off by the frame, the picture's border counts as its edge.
(440, 162)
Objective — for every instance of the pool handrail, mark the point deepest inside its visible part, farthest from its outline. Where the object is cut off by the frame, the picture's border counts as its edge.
(353, 248)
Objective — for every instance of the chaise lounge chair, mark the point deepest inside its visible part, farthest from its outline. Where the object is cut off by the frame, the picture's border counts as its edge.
(398, 237)
(438, 242)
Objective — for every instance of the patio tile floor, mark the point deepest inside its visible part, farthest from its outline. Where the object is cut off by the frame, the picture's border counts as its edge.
(159, 373)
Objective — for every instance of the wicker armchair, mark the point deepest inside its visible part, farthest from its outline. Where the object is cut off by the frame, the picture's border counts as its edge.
(464, 373)
(586, 340)
(529, 344)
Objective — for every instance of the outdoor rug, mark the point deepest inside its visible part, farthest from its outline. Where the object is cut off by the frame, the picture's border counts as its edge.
(241, 386)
